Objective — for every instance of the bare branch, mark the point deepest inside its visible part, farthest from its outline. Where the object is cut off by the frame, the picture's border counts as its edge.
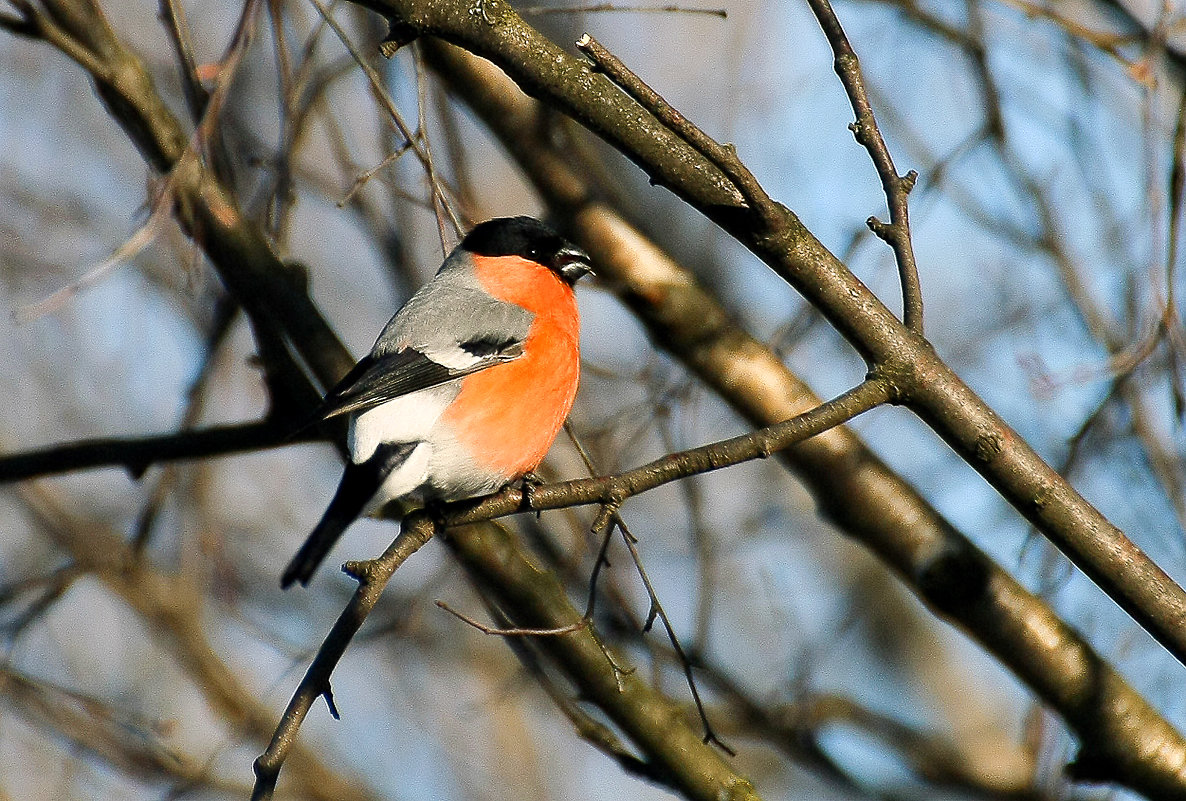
(137, 454)
(852, 487)
(919, 378)
(372, 577)
(607, 520)
(169, 610)
(196, 96)
(724, 157)
(615, 489)
(380, 92)
(272, 293)
(896, 187)
(512, 631)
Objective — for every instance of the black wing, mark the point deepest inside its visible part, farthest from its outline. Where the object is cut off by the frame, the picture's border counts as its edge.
(376, 380)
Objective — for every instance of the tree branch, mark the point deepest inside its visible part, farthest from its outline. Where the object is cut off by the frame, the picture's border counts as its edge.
(137, 454)
(272, 293)
(723, 157)
(610, 491)
(896, 187)
(372, 577)
(852, 487)
(615, 489)
(169, 608)
(533, 598)
(920, 379)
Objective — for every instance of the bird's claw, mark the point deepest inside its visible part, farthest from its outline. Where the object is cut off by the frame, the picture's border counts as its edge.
(529, 482)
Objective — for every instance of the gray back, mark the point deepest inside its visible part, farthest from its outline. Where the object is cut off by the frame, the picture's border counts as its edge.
(452, 307)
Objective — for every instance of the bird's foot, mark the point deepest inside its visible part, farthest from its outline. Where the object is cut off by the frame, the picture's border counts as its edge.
(528, 483)
(435, 510)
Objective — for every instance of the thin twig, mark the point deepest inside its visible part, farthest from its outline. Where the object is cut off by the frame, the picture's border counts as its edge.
(614, 489)
(430, 168)
(226, 311)
(142, 237)
(657, 610)
(163, 202)
(300, 92)
(610, 517)
(365, 177)
(440, 208)
(196, 96)
(1177, 185)
(512, 631)
(208, 133)
(112, 732)
(592, 731)
(702, 545)
(372, 576)
(457, 147)
(380, 93)
(724, 157)
(896, 187)
(611, 7)
(1108, 43)
(1170, 323)
(603, 529)
(52, 589)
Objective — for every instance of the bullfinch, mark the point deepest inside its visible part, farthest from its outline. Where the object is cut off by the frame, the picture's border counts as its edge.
(467, 385)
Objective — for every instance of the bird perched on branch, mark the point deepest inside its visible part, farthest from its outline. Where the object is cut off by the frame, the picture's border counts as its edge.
(466, 387)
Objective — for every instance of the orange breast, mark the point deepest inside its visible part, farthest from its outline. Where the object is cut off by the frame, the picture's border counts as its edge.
(508, 416)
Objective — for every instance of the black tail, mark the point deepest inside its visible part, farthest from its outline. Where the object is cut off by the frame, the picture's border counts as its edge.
(359, 484)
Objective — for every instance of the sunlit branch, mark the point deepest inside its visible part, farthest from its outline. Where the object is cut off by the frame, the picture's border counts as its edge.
(896, 187)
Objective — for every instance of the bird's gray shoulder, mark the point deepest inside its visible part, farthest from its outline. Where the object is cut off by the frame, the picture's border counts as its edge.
(454, 310)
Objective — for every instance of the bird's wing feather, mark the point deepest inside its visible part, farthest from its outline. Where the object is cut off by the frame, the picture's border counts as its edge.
(449, 329)
(450, 310)
(378, 379)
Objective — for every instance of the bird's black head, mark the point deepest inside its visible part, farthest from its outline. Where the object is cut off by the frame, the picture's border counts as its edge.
(528, 238)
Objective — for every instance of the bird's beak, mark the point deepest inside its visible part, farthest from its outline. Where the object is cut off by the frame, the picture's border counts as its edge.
(573, 264)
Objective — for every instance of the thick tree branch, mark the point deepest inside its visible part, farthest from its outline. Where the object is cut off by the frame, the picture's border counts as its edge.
(853, 488)
(273, 294)
(920, 378)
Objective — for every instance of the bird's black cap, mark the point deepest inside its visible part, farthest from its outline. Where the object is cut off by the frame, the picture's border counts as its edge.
(528, 238)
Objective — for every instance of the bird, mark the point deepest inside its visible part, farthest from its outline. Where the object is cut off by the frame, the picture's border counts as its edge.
(466, 387)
